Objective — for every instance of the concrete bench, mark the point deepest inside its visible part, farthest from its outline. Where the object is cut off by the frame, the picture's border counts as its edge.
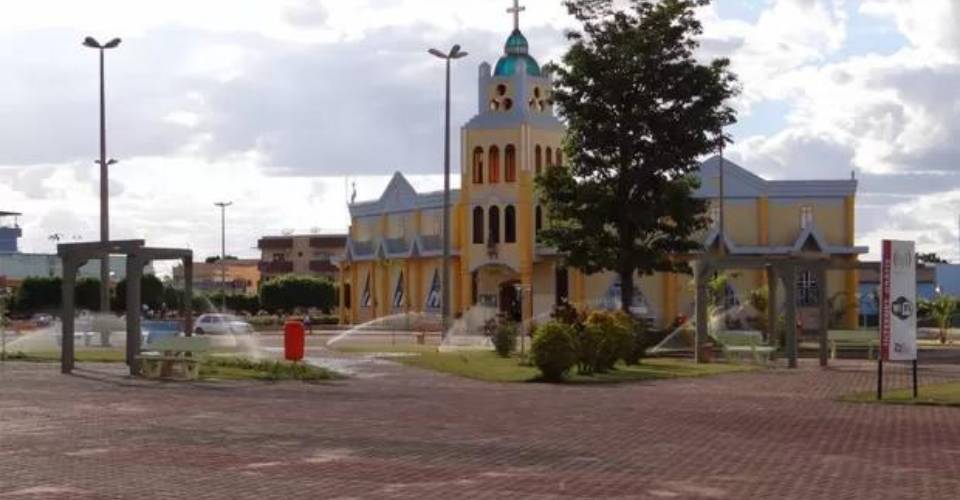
(165, 354)
(736, 344)
(853, 339)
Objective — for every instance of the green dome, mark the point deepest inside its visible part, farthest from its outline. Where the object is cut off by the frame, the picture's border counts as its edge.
(517, 49)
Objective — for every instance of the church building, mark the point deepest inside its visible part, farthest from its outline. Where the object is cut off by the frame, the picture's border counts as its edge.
(392, 263)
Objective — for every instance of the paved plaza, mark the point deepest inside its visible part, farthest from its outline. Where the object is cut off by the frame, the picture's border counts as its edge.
(397, 432)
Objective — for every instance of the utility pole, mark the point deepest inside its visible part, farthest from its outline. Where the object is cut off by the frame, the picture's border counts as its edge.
(454, 54)
(104, 183)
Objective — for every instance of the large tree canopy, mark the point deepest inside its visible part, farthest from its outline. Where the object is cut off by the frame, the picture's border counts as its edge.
(641, 112)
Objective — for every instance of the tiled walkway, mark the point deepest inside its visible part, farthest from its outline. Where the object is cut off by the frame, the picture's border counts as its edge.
(404, 433)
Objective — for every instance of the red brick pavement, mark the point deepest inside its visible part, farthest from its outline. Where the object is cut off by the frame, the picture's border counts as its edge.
(405, 433)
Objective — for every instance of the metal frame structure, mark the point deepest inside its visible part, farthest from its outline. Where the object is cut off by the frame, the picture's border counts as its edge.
(75, 255)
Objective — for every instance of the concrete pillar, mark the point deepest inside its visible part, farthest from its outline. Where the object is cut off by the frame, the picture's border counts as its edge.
(702, 307)
(68, 289)
(134, 275)
(789, 273)
(824, 314)
(773, 313)
(188, 296)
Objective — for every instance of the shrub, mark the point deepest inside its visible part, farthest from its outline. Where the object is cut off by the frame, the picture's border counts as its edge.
(643, 339)
(503, 334)
(615, 331)
(553, 350)
(587, 343)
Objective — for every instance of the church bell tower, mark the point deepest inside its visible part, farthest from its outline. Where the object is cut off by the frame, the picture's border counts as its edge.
(512, 139)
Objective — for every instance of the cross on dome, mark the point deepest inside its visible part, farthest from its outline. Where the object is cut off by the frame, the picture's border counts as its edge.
(516, 10)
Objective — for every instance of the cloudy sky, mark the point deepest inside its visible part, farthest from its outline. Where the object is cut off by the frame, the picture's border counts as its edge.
(280, 105)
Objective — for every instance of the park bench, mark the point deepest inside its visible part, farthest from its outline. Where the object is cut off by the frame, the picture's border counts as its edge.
(165, 354)
(853, 339)
(735, 344)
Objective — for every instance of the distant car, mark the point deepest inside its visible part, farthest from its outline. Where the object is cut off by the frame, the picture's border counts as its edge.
(42, 320)
(221, 324)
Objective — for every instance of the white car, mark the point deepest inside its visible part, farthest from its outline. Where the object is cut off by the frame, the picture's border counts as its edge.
(221, 324)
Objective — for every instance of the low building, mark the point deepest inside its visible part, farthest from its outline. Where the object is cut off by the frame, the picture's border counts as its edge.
(16, 266)
(305, 255)
(241, 276)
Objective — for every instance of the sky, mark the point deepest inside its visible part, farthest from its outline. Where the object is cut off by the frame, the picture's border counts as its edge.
(281, 106)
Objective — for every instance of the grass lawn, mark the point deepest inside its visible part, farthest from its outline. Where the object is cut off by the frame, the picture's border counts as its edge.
(211, 369)
(487, 366)
(105, 356)
(929, 395)
(384, 348)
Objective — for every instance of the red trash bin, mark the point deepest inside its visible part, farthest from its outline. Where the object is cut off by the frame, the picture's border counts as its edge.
(294, 340)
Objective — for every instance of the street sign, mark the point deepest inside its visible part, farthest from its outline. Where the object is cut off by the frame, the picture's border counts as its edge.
(898, 301)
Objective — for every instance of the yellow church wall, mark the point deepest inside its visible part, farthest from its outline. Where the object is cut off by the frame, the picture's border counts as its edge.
(544, 288)
(740, 222)
(828, 216)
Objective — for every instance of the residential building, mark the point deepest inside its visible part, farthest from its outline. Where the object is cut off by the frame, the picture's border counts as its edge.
(242, 276)
(306, 255)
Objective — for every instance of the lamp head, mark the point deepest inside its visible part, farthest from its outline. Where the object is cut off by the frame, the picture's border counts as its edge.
(112, 43)
(91, 42)
(437, 53)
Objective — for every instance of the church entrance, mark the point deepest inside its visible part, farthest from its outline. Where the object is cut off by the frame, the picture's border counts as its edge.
(509, 301)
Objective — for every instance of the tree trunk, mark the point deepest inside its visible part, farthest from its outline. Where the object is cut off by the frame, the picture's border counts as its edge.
(626, 290)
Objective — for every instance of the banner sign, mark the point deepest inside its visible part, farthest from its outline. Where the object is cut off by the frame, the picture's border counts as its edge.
(898, 301)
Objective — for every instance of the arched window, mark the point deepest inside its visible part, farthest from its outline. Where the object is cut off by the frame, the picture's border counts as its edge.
(477, 226)
(494, 225)
(510, 224)
(478, 165)
(494, 164)
(559, 161)
(510, 164)
(549, 157)
(538, 223)
(538, 159)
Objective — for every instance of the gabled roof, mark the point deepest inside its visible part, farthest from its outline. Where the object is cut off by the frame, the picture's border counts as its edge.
(400, 196)
(739, 182)
(809, 240)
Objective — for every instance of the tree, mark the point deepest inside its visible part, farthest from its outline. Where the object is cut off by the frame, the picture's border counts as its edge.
(641, 111)
(930, 258)
(216, 258)
(151, 293)
(37, 294)
(291, 292)
(87, 294)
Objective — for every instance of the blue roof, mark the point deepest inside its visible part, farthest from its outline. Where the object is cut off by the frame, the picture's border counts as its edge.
(516, 49)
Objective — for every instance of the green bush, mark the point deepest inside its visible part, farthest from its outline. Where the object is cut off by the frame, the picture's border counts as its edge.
(586, 342)
(642, 340)
(503, 335)
(553, 350)
(615, 331)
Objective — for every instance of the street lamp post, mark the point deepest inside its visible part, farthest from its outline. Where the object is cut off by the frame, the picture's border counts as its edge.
(104, 184)
(223, 253)
(454, 54)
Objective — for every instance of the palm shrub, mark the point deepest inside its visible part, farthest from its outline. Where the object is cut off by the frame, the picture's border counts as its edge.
(502, 334)
(942, 309)
(553, 350)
